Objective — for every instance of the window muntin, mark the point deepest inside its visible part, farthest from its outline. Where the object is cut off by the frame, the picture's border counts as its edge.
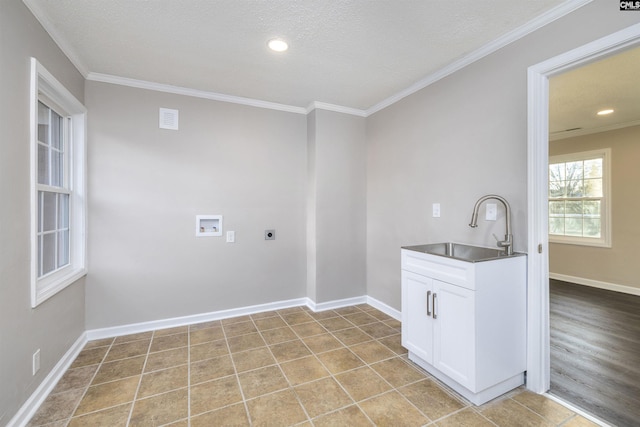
(578, 198)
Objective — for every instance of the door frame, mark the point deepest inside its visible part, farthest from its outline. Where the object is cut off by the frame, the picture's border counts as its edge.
(538, 347)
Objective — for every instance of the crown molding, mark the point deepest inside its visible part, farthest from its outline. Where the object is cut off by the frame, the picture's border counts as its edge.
(489, 48)
(62, 43)
(315, 105)
(177, 90)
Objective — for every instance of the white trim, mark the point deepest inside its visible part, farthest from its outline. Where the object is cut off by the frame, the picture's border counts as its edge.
(508, 38)
(315, 105)
(390, 311)
(323, 306)
(625, 289)
(29, 408)
(538, 355)
(581, 132)
(577, 410)
(177, 90)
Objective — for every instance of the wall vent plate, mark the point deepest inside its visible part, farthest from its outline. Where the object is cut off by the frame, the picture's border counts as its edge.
(169, 119)
(269, 234)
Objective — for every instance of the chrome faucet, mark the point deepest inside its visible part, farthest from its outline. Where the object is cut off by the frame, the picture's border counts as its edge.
(507, 243)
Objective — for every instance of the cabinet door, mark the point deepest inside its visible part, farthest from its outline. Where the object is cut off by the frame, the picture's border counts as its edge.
(453, 329)
(417, 324)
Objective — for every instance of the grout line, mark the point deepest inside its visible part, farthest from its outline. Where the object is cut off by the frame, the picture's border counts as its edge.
(144, 365)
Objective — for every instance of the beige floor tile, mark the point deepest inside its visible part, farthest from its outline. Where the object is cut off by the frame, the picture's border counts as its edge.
(547, 408)
(466, 418)
(200, 336)
(269, 323)
(158, 382)
(108, 394)
(394, 343)
(393, 323)
(508, 412)
(160, 409)
(335, 323)
(350, 416)
(91, 356)
(167, 359)
(278, 335)
(112, 417)
(57, 407)
(322, 396)
(378, 330)
(111, 371)
(289, 350)
(103, 342)
(351, 336)
(264, 315)
(262, 381)
(208, 350)
(245, 342)
(239, 328)
(214, 394)
(234, 415)
(303, 370)
(363, 383)
(205, 325)
(237, 319)
(133, 337)
(277, 409)
(372, 351)
(321, 343)
(379, 315)
(340, 360)
(297, 318)
(579, 421)
(211, 369)
(326, 314)
(360, 318)
(397, 372)
(308, 329)
(429, 397)
(130, 349)
(76, 378)
(171, 331)
(168, 342)
(391, 409)
(344, 311)
(253, 359)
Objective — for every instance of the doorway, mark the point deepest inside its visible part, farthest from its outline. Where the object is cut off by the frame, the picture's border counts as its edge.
(538, 353)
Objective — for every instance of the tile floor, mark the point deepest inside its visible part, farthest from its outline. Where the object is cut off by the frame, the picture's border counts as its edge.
(342, 367)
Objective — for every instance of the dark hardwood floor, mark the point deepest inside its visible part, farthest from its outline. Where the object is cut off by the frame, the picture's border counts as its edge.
(595, 351)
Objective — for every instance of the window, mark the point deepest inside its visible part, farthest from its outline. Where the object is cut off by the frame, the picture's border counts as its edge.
(58, 208)
(579, 201)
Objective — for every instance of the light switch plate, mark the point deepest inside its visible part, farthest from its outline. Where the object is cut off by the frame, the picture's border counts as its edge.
(436, 210)
(231, 236)
(492, 212)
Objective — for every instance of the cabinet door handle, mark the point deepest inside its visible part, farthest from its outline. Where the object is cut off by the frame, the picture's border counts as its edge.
(428, 308)
(435, 316)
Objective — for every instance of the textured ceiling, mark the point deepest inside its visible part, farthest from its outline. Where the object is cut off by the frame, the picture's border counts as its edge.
(350, 53)
(577, 95)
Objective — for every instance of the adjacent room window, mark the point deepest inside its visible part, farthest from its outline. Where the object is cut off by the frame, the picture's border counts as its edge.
(579, 198)
(58, 207)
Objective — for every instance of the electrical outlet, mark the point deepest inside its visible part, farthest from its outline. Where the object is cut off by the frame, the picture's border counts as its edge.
(492, 212)
(269, 234)
(36, 362)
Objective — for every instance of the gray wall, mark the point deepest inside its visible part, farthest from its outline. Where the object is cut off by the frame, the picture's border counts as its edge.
(146, 186)
(337, 217)
(456, 140)
(618, 264)
(58, 322)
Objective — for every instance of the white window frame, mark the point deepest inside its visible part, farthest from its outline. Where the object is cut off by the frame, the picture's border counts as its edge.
(45, 87)
(604, 240)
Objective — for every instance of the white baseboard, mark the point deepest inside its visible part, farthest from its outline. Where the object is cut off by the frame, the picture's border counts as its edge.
(27, 411)
(322, 306)
(596, 284)
(390, 311)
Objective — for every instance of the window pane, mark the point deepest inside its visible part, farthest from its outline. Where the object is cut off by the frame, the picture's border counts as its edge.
(556, 172)
(556, 208)
(56, 131)
(43, 123)
(593, 168)
(592, 227)
(43, 164)
(557, 189)
(574, 188)
(573, 227)
(48, 253)
(556, 226)
(63, 248)
(63, 211)
(49, 211)
(592, 208)
(56, 169)
(593, 187)
(574, 171)
(573, 208)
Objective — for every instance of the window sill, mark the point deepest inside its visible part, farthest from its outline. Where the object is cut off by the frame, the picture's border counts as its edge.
(47, 287)
(577, 241)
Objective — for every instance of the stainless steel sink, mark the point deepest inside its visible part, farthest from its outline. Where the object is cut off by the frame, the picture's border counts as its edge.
(461, 252)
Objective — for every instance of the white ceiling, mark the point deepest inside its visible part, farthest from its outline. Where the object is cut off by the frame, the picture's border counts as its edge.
(357, 54)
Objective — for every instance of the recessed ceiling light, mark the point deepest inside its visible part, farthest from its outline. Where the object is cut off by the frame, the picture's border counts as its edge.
(605, 112)
(278, 45)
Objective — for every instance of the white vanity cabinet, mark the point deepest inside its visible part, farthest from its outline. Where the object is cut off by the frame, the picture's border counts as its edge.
(465, 322)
